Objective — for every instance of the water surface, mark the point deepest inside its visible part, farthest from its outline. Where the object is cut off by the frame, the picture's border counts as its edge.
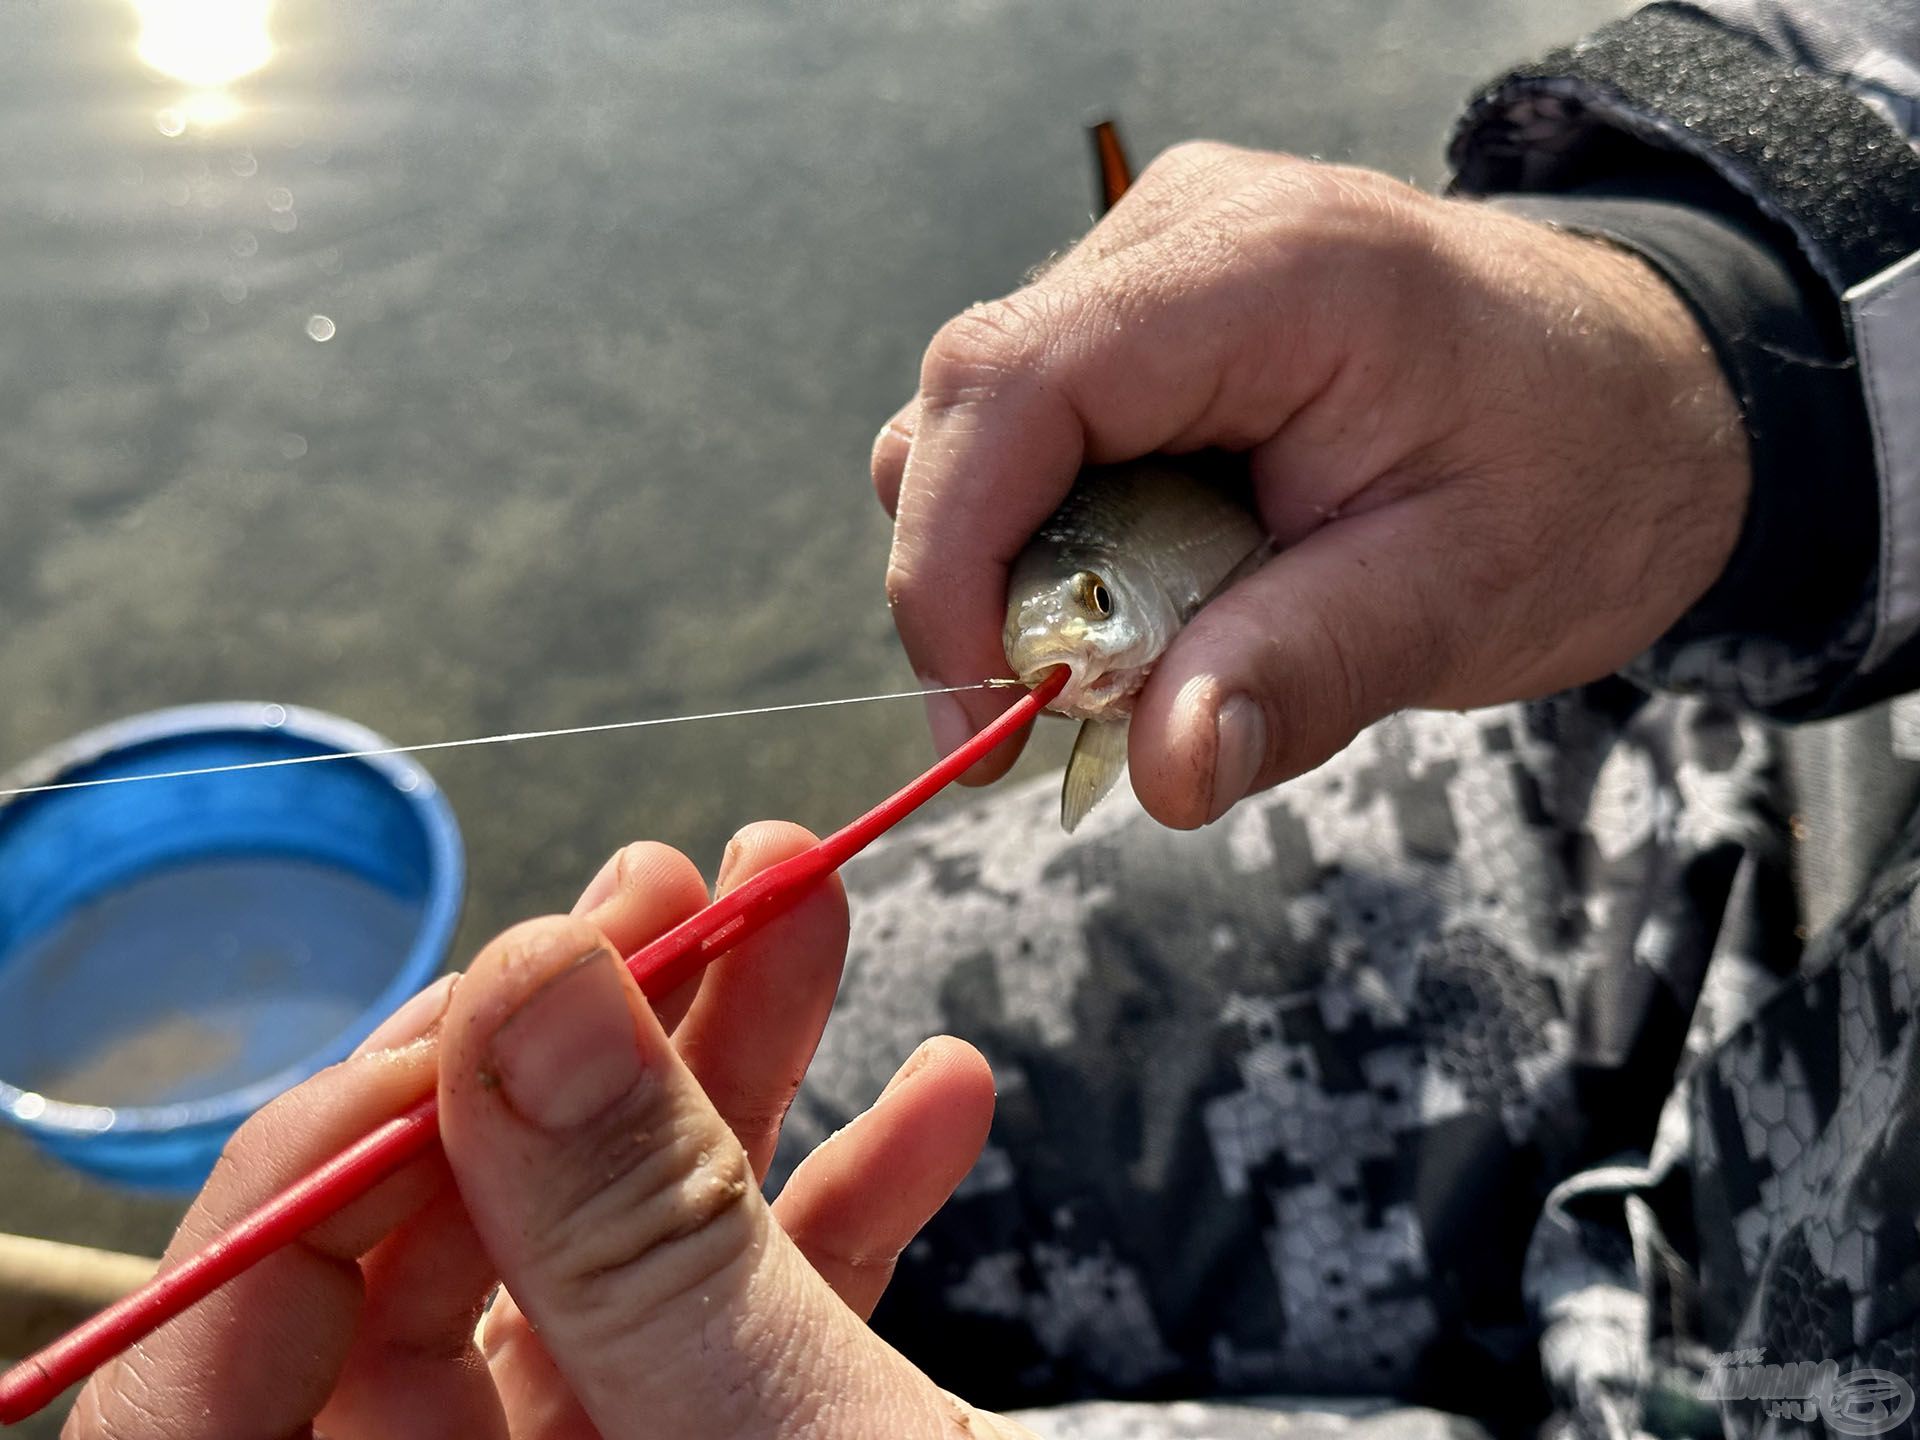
(197, 980)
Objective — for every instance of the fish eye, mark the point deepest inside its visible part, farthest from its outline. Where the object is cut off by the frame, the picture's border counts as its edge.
(1091, 591)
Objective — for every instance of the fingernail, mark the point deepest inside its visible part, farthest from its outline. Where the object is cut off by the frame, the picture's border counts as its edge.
(570, 1050)
(412, 1020)
(1239, 750)
(916, 1061)
(729, 862)
(948, 722)
(496, 1329)
(602, 888)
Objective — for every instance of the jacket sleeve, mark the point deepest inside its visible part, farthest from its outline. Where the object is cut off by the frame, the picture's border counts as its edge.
(1790, 127)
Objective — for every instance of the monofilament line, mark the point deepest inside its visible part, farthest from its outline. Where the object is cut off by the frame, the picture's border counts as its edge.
(506, 739)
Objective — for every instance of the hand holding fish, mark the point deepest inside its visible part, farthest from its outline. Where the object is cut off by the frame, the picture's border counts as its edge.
(609, 1175)
(1495, 461)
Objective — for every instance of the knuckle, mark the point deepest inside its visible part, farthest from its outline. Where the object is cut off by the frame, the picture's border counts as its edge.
(888, 457)
(1040, 269)
(1184, 178)
(916, 601)
(1358, 221)
(1362, 248)
(1191, 256)
(902, 585)
(1275, 228)
(1352, 194)
(758, 1125)
(1182, 163)
(656, 1207)
(982, 349)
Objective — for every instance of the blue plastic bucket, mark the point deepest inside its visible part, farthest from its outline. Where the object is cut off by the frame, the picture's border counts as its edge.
(175, 954)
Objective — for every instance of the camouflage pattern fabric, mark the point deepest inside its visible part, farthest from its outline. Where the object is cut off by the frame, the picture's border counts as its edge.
(1481, 1069)
(1320, 1419)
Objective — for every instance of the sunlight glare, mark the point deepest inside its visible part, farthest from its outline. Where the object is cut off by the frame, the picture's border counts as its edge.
(207, 108)
(205, 43)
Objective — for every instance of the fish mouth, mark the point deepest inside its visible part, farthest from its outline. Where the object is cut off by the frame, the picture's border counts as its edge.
(1092, 691)
(1038, 640)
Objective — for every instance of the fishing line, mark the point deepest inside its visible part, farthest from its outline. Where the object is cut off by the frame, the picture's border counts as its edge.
(509, 738)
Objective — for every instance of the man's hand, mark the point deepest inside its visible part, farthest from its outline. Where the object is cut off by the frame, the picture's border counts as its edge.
(1502, 459)
(610, 1176)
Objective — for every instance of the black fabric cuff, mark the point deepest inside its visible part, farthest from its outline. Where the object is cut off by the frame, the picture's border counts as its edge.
(1806, 152)
(1805, 560)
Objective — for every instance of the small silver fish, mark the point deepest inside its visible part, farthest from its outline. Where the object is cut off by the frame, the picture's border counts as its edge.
(1104, 586)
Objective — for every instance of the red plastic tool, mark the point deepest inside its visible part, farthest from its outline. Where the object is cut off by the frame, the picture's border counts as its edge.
(659, 967)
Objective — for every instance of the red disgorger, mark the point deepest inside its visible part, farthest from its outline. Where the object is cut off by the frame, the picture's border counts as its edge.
(676, 956)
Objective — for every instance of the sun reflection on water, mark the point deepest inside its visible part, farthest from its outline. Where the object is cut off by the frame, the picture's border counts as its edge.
(207, 45)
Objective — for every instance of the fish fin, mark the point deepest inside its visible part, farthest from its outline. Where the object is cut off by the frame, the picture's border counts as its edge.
(1099, 759)
(1112, 171)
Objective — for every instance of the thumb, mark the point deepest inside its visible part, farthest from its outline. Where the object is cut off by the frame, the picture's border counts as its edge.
(624, 1219)
(1283, 670)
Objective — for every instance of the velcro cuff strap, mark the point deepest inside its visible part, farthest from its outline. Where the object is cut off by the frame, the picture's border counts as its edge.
(1810, 155)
